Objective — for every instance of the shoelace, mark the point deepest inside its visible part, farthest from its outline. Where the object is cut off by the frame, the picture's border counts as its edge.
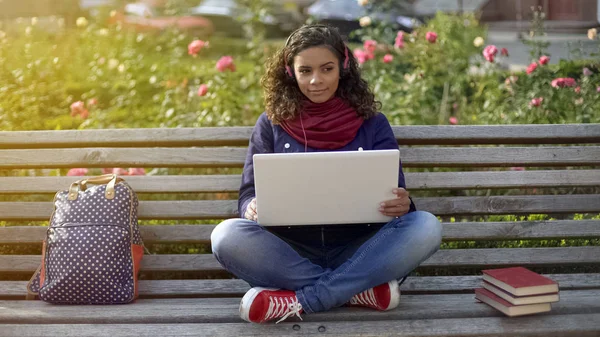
(367, 297)
(283, 307)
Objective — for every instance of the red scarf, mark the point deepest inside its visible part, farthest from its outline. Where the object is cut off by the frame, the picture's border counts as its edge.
(330, 125)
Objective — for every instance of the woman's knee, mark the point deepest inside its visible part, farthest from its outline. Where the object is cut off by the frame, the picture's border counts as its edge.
(226, 234)
(429, 229)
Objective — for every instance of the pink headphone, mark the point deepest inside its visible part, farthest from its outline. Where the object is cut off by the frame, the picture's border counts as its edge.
(288, 69)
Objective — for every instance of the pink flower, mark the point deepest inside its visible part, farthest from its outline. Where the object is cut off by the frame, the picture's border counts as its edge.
(77, 172)
(511, 79)
(453, 120)
(587, 72)
(598, 89)
(504, 52)
(399, 43)
(370, 46)
(544, 60)
(536, 101)
(577, 90)
(92, 102)
(119, 171)
(431, 37)
(202, 90)
(107, 171)
(388, 58)
(196, 46)
(225, 63)
(136, 171)
(77, 108)
(490, 52)
(562, 82)
(532, 67)
(517, 168)
(360, 55)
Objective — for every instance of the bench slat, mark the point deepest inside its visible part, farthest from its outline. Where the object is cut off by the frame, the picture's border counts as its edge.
(501, 179)
(516, 204)
(148, 137)
(220, 209)
(236, 287)
(218, 136)
(523, 230)
(234, 157)
(127, 157)
(414, 180)
(141, 184)
(442, 259)
(500, 156)
(497, 134)
(181, 209)
(221, 310)
(580, 325)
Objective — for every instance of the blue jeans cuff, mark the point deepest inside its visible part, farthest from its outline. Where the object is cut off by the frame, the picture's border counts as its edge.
(302, 300)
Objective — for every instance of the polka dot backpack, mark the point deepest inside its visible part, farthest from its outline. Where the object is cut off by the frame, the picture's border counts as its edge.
(93, 248)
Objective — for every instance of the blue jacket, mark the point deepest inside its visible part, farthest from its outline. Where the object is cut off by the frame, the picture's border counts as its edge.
(375, 134)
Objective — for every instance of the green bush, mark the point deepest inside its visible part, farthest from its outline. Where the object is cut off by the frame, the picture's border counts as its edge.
(448, 80)
(137, 80)
(130, 79)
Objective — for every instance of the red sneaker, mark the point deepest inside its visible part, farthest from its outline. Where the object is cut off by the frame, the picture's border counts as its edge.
(260, 305)
(383, 297)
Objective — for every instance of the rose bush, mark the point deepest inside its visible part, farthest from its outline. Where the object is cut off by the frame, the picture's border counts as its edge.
(95, 76)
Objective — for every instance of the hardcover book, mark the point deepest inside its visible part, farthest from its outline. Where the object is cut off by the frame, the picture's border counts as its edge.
(520, 281)
(507, 308)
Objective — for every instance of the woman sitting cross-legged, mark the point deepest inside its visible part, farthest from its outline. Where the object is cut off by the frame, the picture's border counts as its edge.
(316, 100)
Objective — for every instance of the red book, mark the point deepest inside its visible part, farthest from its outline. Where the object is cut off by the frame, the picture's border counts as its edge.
(507, 308)
(519, 300)
(520, 281)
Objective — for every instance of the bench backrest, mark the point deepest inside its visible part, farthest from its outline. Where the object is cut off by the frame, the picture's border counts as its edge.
(464, 174)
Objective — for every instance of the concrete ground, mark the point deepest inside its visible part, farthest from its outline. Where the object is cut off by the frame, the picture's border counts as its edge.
(562, 46)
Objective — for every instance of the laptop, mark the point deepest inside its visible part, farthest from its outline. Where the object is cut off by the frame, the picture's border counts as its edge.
(318, 188)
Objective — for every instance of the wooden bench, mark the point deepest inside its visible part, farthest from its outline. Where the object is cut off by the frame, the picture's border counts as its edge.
(454, 172)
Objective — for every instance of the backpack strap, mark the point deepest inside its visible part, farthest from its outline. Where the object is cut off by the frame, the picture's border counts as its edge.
(33, 286)
(109, 179)
(36, 281)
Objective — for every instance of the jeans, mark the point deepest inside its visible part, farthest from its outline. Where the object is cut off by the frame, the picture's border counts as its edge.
(326, 277)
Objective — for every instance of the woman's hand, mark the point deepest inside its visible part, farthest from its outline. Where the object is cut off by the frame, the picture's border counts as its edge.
(396, 207)
(251, 213)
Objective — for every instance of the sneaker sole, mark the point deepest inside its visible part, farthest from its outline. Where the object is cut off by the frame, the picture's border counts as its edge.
(248, 299)
(394, 300)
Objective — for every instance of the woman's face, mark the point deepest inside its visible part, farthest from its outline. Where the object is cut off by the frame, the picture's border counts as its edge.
(317, 73)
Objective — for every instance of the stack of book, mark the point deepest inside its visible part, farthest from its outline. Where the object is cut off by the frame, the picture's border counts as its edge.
(517, 291)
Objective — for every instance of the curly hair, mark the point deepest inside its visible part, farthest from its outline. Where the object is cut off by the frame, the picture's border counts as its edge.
(282, 96)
